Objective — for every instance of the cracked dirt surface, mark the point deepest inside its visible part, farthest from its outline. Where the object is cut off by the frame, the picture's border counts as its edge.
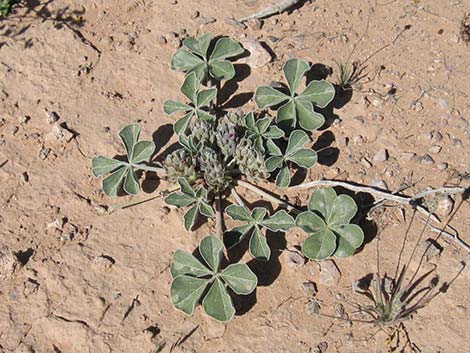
(74, 278)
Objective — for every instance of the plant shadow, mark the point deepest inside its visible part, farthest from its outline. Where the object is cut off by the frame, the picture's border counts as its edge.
(225, 98)
(327, 155)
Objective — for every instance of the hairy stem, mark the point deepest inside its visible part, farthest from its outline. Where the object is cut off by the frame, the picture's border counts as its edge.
(237, 197)
(219, 216)
(268, 196)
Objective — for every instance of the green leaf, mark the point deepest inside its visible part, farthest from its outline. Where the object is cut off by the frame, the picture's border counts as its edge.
(236, 235)
(319, 93)
(205, 96)
(273, 163)
(201, 71)
(283, 177)
(258, 246)
(266, 96)
(142, 151)
(190, 87)
(294, 70)
(179, 200)
(310, 222)
(183, 60)
(171, 106)
(102, 165)
(131, 185)
(343, 210)
(222, 70)
(185, 263)
(112, 183)
(258, 213)
(225, 48)
(322, 201)
(273, 133)
(186, 188)
(199, 45)
(308, 118)
(297, 139)
(262, 125)
(206, 209)
(304, 158)
(211, 251)
(273, 149)
(319, 245)
(286, 115)
(190, 217)
(280, 221)
(182, 124)
(250, 121)
(239, 213)
(350, 237)
(240, 278)
(186, 291)
(217, 303)
(129, 136)
(201, 114)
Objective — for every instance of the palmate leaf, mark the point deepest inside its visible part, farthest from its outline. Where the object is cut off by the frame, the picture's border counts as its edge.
(123, 174)
(297, 109)
(199, 103)
(327, 223)
(254, 222)
(295, 153)
(191, 278)
(261, 131)
(195, 58)
(186, 197)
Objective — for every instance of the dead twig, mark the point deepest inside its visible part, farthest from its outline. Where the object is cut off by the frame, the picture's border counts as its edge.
(269, 11)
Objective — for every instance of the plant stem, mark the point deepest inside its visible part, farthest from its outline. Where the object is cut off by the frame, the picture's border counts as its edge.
(158, 170)
(219, 216)
(237, 197)
(268, 196)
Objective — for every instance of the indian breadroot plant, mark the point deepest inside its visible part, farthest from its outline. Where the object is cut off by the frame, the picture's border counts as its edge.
(220, 152)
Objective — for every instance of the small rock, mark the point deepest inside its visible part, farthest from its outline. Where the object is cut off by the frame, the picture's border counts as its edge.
(378, 183)
(162, 40)
(295, 258)
(381, 156)
(104, 262)
(99, 209)
(445, 206)
(329, 273)
(8, 264)
(339, 310)
(442, 166)
(408, 156)
(358, 139)
(365, 162)
(58, 134)
(23, 119)
(52, 117)
(435, 149)
(258, 57)
(457, 142)
(437, 136)
(205, 20)
(56, 224)
(417, 106)
(24, 177)
(309, 288)
(426, 159)
(430, 249)
(43, 153)
(195, 15)
(320, 348)
(376, 102)
(312, 307)
(255, 24)
(13, 130)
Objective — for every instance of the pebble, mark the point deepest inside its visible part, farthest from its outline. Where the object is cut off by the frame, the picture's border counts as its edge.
(52, 117)
(430, 249)
(24, 177)
(381, 156)
(442, 166)
(195, 15)
(104, 262)
(8, 265)
(435, 149)
(426, 159)
(13, 130)
(295, 258)
(43, 153)
(322, 347)
(312, 307)
(379, 183)
(329, 273)
(366, 163)
(162, 40)
(58, 134)
(408, 156)
(23, 119)
(309, 288)
(259, 55)
(358, 139)
(203, 20)
(457, 142)
(445, 205)
(437, 136)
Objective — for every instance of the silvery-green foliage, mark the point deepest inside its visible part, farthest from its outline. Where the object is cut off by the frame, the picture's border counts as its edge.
(216, 174)
(123, 173)
(254, 222)
(202, 132)
(196, 58)
(297, 109)
(250, 161)
(295, 153)
(191, 278)
(197, 199)
(261, 130)
(327, 222)
(178, 164)
(226, 137)
(199, 103)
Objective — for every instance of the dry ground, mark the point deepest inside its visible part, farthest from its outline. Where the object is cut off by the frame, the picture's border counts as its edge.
(103, 64)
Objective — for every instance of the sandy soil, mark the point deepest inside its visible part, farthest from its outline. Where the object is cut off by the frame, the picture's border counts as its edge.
(97, 282)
